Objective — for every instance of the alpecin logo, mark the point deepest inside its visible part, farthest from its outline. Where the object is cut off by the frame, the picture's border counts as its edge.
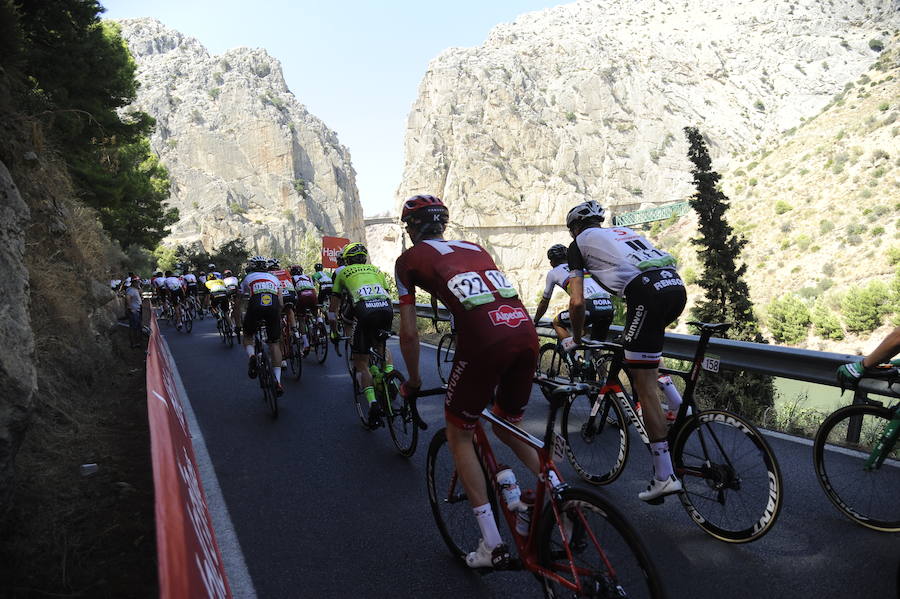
(508, 315)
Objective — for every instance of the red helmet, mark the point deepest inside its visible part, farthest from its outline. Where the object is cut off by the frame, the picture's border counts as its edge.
(424, 209)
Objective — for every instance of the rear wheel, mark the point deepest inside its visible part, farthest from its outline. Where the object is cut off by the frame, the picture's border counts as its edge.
(552, 363)
(187, 321)
(445, 351)
(596, 434)
(228, 335)
(607, 553)
(267, 382)
(404, 431)
(319, 340)
(295, 358)
(347, 357)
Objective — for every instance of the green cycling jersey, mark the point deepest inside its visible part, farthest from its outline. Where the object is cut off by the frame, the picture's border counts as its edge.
(362, 282)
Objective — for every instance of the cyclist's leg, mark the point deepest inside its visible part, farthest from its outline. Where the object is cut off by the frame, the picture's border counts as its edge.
(513, 392)
(560, 323)
(273, 337)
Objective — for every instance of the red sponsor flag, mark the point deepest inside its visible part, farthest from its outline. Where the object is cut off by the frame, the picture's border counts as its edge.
(330, 247)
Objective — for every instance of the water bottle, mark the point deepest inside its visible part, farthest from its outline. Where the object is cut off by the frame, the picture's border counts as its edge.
(506, 478)
(673, 397)
(523, 518)
(639, 411)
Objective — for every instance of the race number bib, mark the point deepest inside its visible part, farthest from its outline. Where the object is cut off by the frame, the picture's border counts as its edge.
(367, 292)
(500, 283)
(263, 286)
(592, 289)
(470, 289)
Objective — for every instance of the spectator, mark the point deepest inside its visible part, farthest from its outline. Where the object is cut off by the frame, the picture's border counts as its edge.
(133, 304)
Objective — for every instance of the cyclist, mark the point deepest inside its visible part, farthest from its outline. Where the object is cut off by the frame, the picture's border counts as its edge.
(323, 279)
(231, 283)
(497, 349)
(218, 293)
(850, 373)
(306, 301)
(202, 289)
(264, 291)
(345, 311)
(366, 293)
(288, 294)
(157, 282)
(175, 293)
(190, 281)
(598, 305)
(627, 264)
(212, 270)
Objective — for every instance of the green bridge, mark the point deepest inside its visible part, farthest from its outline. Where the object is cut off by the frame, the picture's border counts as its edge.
(651, 214)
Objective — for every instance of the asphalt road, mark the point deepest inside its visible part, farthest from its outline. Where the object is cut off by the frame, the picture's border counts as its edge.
(323, 508)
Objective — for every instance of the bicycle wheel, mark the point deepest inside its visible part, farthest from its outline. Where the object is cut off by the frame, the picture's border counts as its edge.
(220, 327)
(449, 504)
(404, 431)
(347, 356)
(229, 335)
(360, 403)
(445, 350)
(843, 444)
(607, 553)
(552, 363)
(187, 322)
(732, 482)
(596, 433)
(267, 381)
(199, 309)
(295, 359)
(319, 339)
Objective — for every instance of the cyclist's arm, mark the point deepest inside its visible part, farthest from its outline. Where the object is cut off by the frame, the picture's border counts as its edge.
(576, 307)
(409, 344)
(541, 309)
(886, 350)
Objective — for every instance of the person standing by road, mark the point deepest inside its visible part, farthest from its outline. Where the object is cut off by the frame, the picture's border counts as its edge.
(133, 302)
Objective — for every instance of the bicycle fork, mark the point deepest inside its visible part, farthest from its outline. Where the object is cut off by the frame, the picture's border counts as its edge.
(885, 444)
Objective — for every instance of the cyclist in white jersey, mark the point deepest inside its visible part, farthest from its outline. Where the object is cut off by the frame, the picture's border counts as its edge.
(232, 285)
(628, 265)
(598, 305)
(175, 290)
(264, 305)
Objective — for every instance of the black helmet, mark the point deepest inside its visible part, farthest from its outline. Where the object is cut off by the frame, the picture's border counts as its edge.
(318, 266)
(557, 252)
(257, 264)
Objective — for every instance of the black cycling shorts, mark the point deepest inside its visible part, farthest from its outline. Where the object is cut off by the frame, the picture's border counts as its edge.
(176, 295)
(263, 307)
(597, 319)
(371, 317)
(655, 299)
(324, 295)
(220, 300)
(192, 290)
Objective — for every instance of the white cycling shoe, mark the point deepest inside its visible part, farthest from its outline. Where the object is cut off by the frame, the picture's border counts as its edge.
(483, 557)
(657, 489)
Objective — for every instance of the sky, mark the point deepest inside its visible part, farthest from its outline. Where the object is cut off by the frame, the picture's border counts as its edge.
(355, 64)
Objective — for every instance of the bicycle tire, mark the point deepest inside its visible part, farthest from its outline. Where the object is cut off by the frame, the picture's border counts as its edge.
(229, 336)
(220, 327)
(403, 428)
(320, 342)
(267, 381)
(868, 497)
(445, 350)
(608, 553)
(449, 505)
(337, 345)
(295, 360)
(711, 474)
(187, 322)
(348, 357)
(553, 364)
(597, 449)
(360, 403)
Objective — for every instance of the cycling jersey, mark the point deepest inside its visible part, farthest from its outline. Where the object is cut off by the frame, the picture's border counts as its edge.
(615, 256)
(497, 343)
(190, 279)
(306, 293)
(287, 286)
(362, 283)
(231, 283)
(263, 289)
(216, 286)
(303, 283)
(324, 281)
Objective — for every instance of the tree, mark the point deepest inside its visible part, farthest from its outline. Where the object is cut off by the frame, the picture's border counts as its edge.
(864, 307)
(788, 319)
(727, 297)
(826, 323)
(232, 254)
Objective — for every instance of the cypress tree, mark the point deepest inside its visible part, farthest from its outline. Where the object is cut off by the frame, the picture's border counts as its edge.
(727, 297)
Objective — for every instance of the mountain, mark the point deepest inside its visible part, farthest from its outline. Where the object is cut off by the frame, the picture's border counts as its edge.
(588, 101)
(246, 159)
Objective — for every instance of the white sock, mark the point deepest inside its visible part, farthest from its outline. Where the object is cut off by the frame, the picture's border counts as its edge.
(485, 517)
(662, 461)
(249, 349)
(305, 341)
(673, 397)
(277, 371)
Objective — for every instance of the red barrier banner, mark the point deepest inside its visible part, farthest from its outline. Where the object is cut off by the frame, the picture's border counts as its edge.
(330, 247)
(190, 564)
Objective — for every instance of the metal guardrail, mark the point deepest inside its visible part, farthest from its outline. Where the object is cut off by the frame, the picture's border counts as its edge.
(786, 362)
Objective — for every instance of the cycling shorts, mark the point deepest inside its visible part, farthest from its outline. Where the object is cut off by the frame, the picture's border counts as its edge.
(288, 298)
(507, 366)
(655, 299)
(192, 290)
(259, 308)
(597, 320)
(220, 300)
(324, 295)
(371, 317)
(306, 302)
(176, 295)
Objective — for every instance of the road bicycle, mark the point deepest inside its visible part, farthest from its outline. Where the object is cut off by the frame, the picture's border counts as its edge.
(195, 307)
(291, 348)
(223, 326)
(264, 372)
(575, 543)
(187, 320)
(317, 334)
(857, 458)
(586, 366)
(731, 478)
(446, 349)
(395, 409)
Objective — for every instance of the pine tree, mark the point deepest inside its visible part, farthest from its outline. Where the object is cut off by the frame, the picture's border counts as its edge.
(727, 297)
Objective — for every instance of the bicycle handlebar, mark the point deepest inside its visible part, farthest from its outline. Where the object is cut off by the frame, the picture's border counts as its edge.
(415, 395)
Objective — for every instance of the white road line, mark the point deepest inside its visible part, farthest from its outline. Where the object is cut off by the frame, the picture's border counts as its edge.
(233, 558)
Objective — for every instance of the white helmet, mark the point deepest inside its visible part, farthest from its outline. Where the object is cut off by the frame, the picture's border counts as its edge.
(585, 210)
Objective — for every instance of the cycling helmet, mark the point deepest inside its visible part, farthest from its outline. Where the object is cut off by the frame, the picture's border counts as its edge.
(296, 269)
(202, 273)
(257, 264)
(158, 273)
(213, 266)
(423, 210)
(584, 211)
(318, 266)
(557, 252)
(355, 253)
(227, 273)
(272, 264)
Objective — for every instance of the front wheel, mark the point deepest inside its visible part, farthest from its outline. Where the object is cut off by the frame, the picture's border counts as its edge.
(596, 433)
(319, 339)
(187, 321)
(359, 402)
(404, 431)
(552, 363)
(295, 359)
(864, 492)
(731, 479)
(445, 351)
(607, 554)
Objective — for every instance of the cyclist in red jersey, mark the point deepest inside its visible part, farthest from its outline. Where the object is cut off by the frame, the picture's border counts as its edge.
(497, 348)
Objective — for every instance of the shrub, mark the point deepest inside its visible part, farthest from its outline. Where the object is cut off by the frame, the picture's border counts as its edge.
(893, 255)
(864, 307)
(825, 323)
(876, 44)
(825, 226)
(759, 106)
(883, 106)
(570, 116)
(236, 208)
(877, 231)
(788, 319)
(752, 182)
(214, 93)
(781, 207)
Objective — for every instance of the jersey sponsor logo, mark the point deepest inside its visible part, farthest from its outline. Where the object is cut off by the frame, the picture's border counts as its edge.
(508, 315)
(376, 304)
(668, 283)
(265, 299)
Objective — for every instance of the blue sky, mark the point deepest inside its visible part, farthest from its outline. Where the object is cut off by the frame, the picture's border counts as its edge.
(354, 64)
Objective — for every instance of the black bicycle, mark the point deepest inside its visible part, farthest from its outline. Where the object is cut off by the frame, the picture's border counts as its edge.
(264, 372)
(731, 478)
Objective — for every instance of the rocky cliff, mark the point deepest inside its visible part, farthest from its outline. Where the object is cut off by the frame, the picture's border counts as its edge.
(246, 159)
(588, 100)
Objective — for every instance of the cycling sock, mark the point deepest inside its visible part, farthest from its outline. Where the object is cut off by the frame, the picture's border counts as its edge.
(250, 350)
(662, 461)
(277, 371)
(369, 392)
(305, 340)
(673, 397)
(388, 368)
(485, 517)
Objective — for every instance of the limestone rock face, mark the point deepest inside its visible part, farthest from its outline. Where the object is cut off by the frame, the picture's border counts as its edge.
(246, 159)
(588, 101)
(17, 371)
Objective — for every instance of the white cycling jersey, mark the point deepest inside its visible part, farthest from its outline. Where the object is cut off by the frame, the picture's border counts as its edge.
(302, 282)
(190, 279)
(173, 283)
(260, 282)
(615, 256)
(558, 276)
(231, 282)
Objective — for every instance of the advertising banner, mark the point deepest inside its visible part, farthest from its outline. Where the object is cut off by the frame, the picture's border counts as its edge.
(330, 247)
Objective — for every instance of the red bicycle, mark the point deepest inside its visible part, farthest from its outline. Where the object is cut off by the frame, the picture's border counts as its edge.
(576, 544)
(290, 348)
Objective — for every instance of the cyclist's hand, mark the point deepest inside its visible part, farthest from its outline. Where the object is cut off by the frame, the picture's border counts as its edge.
(848, 375)
(568, 343)
(410, 388)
